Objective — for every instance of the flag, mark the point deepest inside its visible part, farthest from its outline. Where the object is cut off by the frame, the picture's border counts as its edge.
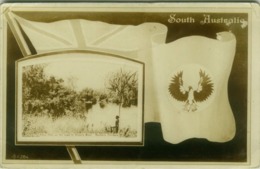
(191, 77)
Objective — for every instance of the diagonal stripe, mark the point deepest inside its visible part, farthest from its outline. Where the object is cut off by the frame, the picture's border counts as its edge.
(43, 32)
(78, 33)
(74, 154)
(17, 33)
(107, 36)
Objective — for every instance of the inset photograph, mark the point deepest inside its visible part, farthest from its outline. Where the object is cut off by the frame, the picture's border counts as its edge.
(79, 98)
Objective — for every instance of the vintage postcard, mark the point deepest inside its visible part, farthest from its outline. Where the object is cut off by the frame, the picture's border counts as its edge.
(160, 84)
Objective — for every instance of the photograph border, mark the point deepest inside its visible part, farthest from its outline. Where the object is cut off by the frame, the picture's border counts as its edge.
(87, 143)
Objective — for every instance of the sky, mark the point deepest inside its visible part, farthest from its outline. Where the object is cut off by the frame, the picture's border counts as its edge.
(91, 74)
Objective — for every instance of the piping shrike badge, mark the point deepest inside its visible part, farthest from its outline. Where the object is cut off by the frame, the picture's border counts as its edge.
(192, 91)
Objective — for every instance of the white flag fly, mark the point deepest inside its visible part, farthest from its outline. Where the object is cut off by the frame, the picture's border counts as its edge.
(191, 87)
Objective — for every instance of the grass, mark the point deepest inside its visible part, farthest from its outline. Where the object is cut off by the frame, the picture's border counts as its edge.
(67, 125)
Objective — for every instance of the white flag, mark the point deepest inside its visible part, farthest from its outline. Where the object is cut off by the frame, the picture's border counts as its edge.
(191, 77)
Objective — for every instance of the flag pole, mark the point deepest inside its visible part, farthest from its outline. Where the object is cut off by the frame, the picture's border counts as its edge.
(74, 155)
(15, 28)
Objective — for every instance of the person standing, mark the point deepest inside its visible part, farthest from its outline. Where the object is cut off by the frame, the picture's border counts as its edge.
(117, 124)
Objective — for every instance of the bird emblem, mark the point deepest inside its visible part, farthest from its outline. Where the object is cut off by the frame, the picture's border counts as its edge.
(190, 95)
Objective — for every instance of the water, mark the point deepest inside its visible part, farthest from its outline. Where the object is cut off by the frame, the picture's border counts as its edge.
(98, 117)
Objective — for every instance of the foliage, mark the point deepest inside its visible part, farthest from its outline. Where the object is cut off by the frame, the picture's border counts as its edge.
(44, 94)
(124, 85)
(41, 92)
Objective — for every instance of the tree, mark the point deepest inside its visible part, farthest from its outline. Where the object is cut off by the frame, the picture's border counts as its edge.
(34, 82)
(45, 92)
(124, 85)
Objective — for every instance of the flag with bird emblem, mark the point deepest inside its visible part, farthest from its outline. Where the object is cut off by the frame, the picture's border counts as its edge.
(191, 96)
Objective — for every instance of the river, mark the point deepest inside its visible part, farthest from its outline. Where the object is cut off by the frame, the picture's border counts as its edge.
(98, 117)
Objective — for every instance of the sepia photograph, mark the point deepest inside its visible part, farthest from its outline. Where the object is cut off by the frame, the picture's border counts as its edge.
(79, 97)
(146, 84)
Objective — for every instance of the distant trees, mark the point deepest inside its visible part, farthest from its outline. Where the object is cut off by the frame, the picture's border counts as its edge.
(42, 93)
(88, 94)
